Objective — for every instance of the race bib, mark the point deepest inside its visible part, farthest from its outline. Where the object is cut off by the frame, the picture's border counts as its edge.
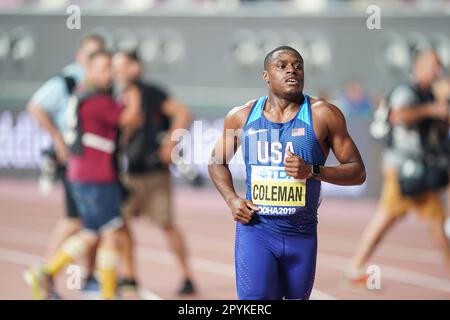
(271, 186)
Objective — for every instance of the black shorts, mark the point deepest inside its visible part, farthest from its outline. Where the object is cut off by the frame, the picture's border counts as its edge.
(71, 207)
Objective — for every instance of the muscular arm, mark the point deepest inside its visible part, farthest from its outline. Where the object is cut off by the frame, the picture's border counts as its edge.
(332, 125)
(219, 171)
(351, 170)
(222, 154)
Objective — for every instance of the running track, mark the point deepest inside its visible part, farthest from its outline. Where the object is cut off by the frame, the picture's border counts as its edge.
(411, 268)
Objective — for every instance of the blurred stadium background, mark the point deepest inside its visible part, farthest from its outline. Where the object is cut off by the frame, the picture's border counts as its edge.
(209, 54)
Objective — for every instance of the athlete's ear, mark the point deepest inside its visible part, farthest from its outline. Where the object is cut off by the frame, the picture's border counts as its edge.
(266, 76)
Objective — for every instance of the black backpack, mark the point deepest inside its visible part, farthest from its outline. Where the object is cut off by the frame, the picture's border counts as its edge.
(143, 148)
(70, 83)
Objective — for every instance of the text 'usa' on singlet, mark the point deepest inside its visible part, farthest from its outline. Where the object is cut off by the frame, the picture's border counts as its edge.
(286, 204)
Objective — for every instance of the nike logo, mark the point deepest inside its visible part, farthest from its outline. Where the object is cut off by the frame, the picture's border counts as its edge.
(252, 131)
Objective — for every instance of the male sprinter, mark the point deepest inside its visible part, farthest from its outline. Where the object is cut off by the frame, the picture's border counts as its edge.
(286, 138)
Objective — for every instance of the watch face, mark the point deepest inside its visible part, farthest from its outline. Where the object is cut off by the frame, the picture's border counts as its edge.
(316, 169)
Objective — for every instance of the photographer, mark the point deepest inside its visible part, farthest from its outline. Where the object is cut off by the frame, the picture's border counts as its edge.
(415, 163)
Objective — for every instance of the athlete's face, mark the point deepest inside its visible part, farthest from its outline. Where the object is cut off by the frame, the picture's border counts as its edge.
(99, 72)
(284, 74)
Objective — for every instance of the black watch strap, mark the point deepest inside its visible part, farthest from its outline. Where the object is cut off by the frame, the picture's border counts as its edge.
(315, 170)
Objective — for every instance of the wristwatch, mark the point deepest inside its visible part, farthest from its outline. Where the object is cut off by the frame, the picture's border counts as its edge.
(315, 170)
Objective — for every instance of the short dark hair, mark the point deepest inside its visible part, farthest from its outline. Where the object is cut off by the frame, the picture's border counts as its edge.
(269, 56)
(99, 53)
(92, 37)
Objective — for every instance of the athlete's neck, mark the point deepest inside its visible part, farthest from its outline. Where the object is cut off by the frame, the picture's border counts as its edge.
(279, 104)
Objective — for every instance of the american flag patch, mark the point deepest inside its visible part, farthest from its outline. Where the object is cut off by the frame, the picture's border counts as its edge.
(298, 132)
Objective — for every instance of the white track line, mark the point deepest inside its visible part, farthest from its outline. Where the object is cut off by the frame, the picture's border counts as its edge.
(162, 257)
(348, 245)
(148, 295)
(19, 257)
(333, 242)
(392, 273)
(208, 266)
(325, 260)
(27, 259)
(320, 295)
(398, 252)
(149, 255)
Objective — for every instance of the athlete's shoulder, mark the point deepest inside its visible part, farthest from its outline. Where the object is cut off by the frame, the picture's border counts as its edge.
(325, 110)
(237, 116)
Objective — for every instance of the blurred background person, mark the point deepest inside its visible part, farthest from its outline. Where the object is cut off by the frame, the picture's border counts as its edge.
(148, 155)
(355, 102)
(419, 129)
(49, 107)
(441, 90)
(93, 176)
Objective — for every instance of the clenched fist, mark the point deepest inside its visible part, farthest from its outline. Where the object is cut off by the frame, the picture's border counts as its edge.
(296, 167)
(242, 209)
